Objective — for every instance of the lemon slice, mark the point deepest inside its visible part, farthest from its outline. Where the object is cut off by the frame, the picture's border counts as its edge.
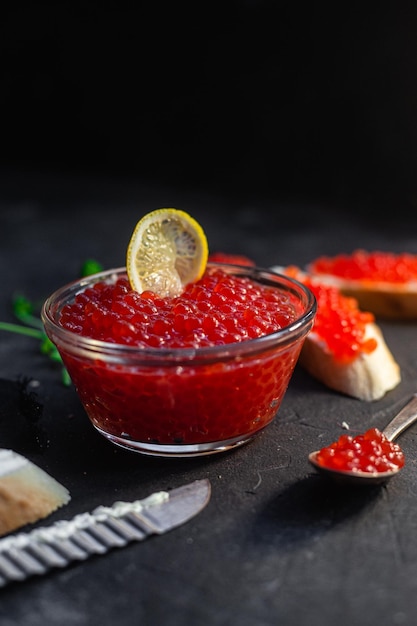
(167, 250)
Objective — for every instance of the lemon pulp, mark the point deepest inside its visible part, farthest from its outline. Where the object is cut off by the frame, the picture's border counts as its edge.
(167, 250)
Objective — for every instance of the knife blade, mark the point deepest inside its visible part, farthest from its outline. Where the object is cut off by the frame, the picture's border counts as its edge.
(36, 552)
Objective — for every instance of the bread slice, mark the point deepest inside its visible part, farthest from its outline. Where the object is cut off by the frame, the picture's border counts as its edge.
(384, 299)
(368, 377)
(368, 374)
(384, 283)
(27, 493)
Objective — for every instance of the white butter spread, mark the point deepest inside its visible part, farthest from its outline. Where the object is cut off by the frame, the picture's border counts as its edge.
(11, 462)
(65, 528)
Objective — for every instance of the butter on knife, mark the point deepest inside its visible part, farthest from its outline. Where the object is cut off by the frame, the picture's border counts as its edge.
(36, 552)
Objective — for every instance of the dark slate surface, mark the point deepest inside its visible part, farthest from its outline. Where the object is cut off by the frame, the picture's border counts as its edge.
(276, 544)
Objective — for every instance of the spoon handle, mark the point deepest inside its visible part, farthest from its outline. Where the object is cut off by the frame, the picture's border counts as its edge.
(402, 420)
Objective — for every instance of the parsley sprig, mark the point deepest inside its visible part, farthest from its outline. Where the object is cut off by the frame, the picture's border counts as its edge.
(26, 312)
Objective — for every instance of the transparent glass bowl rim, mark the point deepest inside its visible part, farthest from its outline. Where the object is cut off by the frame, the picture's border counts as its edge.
(93, 348)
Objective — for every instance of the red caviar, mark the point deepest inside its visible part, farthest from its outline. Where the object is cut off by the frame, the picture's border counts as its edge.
(369, 266)
(146, 399)
(232, 259)
(218, 309)
(369, 452)
(339, 320)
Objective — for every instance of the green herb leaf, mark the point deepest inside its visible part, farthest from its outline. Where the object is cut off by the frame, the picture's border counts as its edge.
(90, 267)
(25, 311)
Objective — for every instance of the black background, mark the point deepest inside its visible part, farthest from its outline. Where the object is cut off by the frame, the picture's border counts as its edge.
(271, 98)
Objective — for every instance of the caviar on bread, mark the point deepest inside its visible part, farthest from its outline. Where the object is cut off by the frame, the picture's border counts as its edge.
(346, 349)
(382, 282)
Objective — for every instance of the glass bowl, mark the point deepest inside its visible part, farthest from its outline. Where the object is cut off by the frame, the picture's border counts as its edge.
(182, 402)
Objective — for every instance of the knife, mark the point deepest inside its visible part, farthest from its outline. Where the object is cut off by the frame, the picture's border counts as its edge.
(36, 552)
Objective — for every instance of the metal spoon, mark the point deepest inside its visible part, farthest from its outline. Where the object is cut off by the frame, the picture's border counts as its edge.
(404, 419)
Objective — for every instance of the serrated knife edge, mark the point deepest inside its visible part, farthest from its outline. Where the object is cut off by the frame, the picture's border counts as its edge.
(156, 514)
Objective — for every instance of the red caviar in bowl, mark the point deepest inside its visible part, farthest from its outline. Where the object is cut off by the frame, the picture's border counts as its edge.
(218, 309)
(187, 375)
(368, 452)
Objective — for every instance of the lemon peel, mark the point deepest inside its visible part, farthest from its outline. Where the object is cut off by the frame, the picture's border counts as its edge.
(167, 250)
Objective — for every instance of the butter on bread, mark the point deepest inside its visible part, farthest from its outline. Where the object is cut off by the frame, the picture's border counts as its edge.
(368, 376)
(27, 493)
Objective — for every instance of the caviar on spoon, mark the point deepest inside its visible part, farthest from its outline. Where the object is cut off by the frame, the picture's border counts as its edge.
(370, 458)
